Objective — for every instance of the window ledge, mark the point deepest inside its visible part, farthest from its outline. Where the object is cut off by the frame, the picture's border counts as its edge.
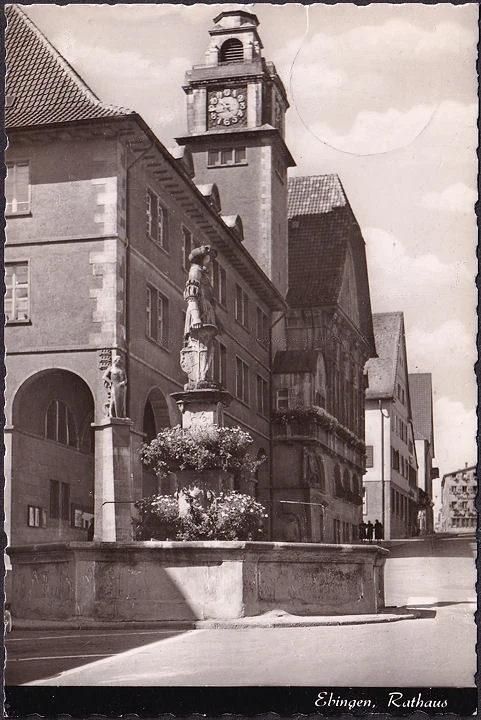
(157, 344)
(11, 214)
(157, 244)
(227, 165)
(18, 322)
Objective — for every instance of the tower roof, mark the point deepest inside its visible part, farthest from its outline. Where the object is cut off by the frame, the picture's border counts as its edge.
(322, 232)
(41, 87)
(421, 391)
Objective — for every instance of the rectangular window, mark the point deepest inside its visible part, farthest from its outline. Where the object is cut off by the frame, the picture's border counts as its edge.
(59, 500)
(220, 363)
(395, 459)
(219, 279)
(17, 292)
(282, 399)
(262, 388)
(156, 220)
(262, 326)
(226, 156)
(17, 189)
(369, 456)
(241, 307)
(187, 247)
(37, 516)
(157, 317)
(242, 381)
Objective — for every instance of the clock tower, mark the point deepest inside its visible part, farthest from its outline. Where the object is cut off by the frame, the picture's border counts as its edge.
(236, 105)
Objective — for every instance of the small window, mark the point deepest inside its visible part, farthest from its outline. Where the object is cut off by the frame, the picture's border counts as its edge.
(187, 247)
(17, 189)
(242, 381)
(262, 388)
(262, 327)
(37, 516)
(282, 399)
(59, 500)
(17, 292)
(220, 363)
(156, 220)
(231, 51)
(224, 157)
(242, 307)
(219, 280)
(157, 317)
(60, 424)
(369, 456)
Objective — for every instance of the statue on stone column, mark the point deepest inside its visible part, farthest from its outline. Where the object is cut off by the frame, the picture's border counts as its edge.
(115, 378)
(200, 322)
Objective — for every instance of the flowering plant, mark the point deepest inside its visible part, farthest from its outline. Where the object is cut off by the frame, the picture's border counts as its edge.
(211, 448)
(227, 516)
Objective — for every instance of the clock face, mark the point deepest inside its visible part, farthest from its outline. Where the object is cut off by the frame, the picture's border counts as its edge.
(227, 107)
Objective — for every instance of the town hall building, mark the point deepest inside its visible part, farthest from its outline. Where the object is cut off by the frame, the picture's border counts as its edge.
(101, 219)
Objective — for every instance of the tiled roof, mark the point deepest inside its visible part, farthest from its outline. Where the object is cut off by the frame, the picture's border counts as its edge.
(322, 229)
(388, 334)
(41, 87)
(314, 195)
(291, 361)
(421, 392)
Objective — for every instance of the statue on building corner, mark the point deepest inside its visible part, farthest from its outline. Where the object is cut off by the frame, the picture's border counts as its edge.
(115, 379)
(201, 326)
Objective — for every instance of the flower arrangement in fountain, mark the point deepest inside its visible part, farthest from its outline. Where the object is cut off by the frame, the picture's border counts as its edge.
(209, 448)
(193, 515)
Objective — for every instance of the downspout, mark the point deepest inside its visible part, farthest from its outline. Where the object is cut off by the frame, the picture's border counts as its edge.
(271, 434)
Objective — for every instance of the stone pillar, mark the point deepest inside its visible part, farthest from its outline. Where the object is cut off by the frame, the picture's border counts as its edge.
(113, 480)
(7, 495)
(201, 408)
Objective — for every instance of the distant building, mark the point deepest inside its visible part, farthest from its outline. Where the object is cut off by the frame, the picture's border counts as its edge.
(458, 495)
(421, 393)
(390, 483)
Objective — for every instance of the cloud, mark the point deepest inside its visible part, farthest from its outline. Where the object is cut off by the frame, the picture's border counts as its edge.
(455, 435)
(377, 132)
(440, 291)
(449, 353)
(458, 198)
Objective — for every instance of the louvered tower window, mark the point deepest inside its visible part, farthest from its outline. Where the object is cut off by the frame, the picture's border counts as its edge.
(232, 50)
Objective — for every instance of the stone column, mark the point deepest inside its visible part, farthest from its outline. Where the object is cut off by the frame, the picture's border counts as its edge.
(113, 480)
(7, 496)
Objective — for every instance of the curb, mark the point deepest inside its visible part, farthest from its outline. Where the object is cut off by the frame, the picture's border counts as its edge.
(268, 620)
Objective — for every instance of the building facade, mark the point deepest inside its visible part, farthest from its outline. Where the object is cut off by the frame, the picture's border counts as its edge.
(421, 393)
(390, 483)
(101, 218)
(458, 496)
(100, 221)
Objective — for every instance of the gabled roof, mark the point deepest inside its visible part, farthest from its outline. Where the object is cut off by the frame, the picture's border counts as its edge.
(421, 392)
(388, 334)
(295, 361)
(41, 87)
(322, 231)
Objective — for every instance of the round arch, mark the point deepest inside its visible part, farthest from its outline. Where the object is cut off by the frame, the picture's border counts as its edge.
(231, 50)
(52, 494)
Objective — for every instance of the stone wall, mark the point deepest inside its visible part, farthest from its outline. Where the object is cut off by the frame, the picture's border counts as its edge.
(168, 581)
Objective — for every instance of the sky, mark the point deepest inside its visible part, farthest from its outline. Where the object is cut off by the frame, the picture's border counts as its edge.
(383, 95)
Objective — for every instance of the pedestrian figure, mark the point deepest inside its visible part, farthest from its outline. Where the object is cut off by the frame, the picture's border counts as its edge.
(378, 530)
(369, 531)
(362, 531)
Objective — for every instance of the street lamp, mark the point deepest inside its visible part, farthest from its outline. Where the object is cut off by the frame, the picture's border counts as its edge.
(383, 489)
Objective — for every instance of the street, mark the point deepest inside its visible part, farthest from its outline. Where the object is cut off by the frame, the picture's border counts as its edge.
(434, 575)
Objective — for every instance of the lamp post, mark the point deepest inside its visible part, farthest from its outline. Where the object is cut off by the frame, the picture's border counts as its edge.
(383, 479)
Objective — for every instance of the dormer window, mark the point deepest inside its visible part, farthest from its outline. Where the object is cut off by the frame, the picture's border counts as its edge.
(231, 51)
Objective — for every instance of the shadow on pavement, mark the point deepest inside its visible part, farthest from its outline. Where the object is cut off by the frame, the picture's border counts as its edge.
(34, 655)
